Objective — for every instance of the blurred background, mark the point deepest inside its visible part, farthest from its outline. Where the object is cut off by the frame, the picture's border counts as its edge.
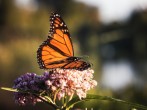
(112, 33)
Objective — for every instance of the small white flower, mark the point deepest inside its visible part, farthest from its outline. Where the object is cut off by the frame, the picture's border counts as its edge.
(70, 81)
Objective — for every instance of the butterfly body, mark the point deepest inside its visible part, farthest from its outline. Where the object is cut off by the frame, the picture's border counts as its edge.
(57, 50)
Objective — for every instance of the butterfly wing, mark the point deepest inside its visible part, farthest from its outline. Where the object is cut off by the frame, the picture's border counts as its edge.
(57, 47)
(60, 34)
(76, 63)
(47, 56)
(57, 50)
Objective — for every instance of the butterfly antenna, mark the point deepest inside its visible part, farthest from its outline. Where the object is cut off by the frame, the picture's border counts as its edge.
(84, 56)
(91, 64)
(87, 57)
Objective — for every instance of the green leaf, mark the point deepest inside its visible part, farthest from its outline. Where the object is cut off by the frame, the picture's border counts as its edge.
(9, 89)
(139, 106)
(76, 100)
(49, 99)
(72, 102)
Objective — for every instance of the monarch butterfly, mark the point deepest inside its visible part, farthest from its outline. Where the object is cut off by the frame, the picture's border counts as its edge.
(57, 50)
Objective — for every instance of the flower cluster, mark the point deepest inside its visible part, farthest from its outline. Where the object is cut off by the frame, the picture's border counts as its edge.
(59, 82)
(71, 81)
(29, 82)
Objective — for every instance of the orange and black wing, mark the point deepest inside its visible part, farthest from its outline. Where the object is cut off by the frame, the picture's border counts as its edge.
(58, 46)
(57, 50)
(60, 35)
(76, 63)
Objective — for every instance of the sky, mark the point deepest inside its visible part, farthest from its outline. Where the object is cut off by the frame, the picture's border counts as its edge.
(116, 10)
(30, 5)
(108, 10)
(117, 75)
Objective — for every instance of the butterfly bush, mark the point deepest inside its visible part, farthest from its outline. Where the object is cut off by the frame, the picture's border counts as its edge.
(62, 82)
(29, 82)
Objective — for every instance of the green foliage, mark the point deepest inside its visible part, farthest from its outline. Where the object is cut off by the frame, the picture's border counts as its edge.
(76, 100)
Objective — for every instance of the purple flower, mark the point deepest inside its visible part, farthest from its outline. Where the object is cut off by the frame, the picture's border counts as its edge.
(29, 82)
